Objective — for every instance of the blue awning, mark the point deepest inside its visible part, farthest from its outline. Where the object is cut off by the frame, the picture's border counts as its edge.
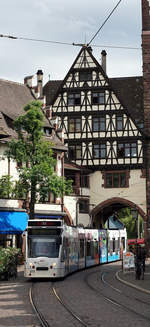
(13, 221)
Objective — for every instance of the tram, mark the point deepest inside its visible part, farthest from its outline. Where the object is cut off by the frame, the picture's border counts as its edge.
(54, 249)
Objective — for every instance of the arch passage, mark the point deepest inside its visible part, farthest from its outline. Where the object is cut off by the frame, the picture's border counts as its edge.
(105, 209)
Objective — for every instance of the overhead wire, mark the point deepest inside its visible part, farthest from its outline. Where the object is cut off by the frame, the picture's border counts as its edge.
(67, 43)
(104, 22)
(30, 39)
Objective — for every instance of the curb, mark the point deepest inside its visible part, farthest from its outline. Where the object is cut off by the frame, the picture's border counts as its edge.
(130, 284)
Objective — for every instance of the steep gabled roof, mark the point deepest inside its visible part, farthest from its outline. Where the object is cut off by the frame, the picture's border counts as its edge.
(130, 92)
(128, 89)
(13, 97)
(3, 132)
(50, 89)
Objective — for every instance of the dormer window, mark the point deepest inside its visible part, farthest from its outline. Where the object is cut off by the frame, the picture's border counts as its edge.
(47, 131)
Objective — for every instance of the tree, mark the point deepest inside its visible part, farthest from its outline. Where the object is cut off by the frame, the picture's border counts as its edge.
(34, 157)
(6, 187)
(126, 218)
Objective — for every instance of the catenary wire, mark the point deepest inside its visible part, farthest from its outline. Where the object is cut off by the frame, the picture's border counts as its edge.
(104, 22)
(67, 43)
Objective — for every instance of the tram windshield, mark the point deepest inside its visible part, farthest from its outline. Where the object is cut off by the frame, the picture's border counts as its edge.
(43, 245)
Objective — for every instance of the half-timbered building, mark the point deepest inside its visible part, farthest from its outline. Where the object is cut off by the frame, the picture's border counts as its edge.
(102, 119)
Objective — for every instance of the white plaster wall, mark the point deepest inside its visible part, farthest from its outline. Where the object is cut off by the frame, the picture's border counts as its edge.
(135, 193)
(85, 191)
(70, 204)
(7, 203)
(59, 166)
(4, 170)
(48, 207)
(84, 218)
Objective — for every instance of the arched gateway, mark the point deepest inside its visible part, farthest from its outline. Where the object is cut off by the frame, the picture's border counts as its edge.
(107, 208)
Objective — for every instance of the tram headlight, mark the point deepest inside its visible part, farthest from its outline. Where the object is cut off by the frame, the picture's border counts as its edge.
(54, 264)
(31, 265)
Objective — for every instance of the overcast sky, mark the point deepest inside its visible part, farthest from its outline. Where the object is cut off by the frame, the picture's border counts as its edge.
(68, 21)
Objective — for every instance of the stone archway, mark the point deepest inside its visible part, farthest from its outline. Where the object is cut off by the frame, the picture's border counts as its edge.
(106, 208)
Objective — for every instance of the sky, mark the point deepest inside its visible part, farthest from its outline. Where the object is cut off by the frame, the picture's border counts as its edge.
(68, 21)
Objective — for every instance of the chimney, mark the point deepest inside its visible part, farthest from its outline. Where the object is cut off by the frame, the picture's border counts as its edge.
(40, 82)
(28, 81)
(103, 60)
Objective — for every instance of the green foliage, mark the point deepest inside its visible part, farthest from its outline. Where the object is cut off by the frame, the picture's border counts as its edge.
(20, 190)
(6, 187)
(37, 170)
(126, 218)
(8, 258)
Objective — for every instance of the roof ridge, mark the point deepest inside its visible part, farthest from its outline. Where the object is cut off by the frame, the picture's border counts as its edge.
(12, 82)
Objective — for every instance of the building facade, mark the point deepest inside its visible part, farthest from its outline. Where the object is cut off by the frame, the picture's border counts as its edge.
(102, 120)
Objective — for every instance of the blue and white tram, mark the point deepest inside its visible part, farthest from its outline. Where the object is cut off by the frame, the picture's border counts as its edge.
(53, 249)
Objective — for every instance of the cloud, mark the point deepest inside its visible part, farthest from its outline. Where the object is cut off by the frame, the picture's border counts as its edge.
(67, 21)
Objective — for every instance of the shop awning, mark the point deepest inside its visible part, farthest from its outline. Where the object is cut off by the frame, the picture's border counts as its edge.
(13, 221)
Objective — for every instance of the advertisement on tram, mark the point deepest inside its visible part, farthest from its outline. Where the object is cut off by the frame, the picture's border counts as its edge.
(103, 246)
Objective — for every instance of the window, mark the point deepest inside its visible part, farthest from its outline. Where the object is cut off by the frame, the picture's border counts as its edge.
(74, 99)
(125, 150)
(85, 76)
(119, 123)
(75, 152)
(84, 181)
(74, 125)
(83, 206)
(116, 179)
(99, 151)
(99, 124)
(47, 131)
(98, 97)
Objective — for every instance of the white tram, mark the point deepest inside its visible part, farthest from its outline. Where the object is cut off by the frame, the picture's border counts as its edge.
(53, 249)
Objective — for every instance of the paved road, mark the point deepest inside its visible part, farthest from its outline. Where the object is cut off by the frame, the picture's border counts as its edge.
(91, 293)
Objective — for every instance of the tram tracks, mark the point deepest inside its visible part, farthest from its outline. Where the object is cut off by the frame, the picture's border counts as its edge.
(109, 298)
(46, 322)
(38, 314)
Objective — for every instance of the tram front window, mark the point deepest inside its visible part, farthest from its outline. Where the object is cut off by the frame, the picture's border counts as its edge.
(40, 246)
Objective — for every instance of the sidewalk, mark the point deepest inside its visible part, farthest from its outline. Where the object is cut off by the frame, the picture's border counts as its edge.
(15, 309)
(128, 278)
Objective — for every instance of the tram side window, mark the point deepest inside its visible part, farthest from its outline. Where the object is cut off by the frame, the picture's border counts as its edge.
(116, 246)
(96, 248)
(82, 248)
(113, 244)
(88, 248)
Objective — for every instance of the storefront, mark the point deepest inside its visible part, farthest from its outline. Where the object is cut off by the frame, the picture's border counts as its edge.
(13, 222)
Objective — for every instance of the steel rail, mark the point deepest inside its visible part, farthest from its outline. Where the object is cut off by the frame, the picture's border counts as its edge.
(116, 303)
(39, 315)
(68, 309)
